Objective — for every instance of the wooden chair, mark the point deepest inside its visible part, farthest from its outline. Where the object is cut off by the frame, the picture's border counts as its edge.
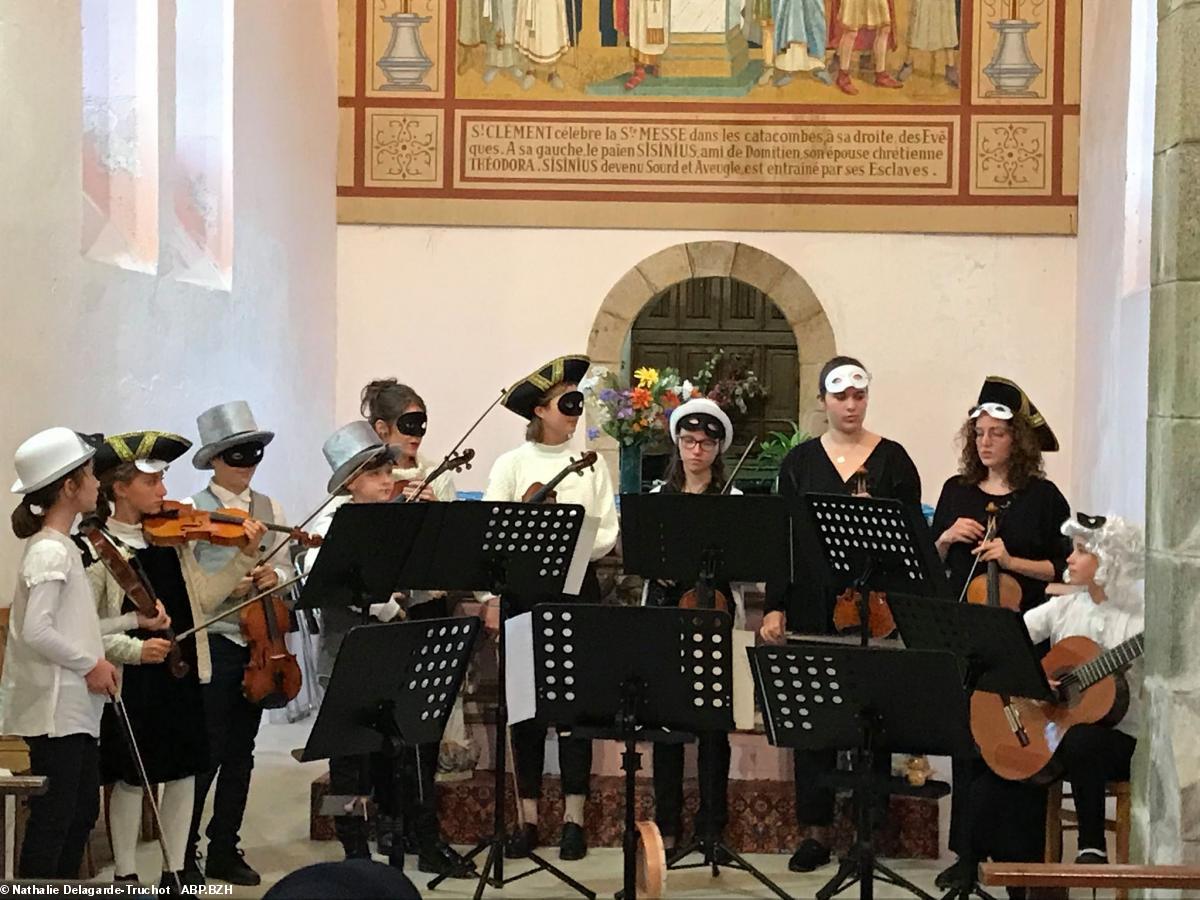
(1059, 820)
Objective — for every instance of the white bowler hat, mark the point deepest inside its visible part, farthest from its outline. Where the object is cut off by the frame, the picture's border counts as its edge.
(350, 447)
(47, 456)
(227, 426)
(704, 414)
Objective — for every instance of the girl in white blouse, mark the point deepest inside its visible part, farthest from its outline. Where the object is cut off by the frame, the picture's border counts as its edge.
(55, 677)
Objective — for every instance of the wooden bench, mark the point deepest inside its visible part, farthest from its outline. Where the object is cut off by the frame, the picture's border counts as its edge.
(1102, 877)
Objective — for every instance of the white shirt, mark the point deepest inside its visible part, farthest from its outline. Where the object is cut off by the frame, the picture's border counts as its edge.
(516, 470)
(54, 640)
(1107, 623)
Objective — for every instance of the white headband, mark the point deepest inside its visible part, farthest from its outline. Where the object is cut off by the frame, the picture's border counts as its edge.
(844, 377)
(995, 410)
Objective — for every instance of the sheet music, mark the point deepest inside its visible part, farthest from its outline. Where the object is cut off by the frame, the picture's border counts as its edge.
(582, 555)
(743, 681)
(519, 687)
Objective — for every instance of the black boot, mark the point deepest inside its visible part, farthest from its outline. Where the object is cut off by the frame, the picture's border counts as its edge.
(573, 844)
(230, 866)
(521, 842)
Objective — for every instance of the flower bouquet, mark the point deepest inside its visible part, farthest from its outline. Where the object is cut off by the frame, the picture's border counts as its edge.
(634, 416)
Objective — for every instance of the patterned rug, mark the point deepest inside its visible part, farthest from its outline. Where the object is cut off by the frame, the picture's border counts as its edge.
(762, 815)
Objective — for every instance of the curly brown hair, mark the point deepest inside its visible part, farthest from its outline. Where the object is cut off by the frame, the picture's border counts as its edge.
(1024, 462)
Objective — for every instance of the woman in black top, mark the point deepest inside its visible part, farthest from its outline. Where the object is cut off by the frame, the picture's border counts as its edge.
(829, 464)
(1003, 440)
(700, 431)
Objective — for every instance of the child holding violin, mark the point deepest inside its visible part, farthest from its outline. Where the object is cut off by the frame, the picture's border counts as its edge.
(362, 473)
(1003, 439)
(700, 433)
(232, 446)
(550, 402)
(832, 464)
(56, 678)
(166, 711)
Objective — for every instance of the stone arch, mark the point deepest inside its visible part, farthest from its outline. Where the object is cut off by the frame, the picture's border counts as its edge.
(700, 259)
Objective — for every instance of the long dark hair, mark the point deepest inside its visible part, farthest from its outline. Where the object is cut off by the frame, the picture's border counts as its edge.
(675, 478)
(124, 473)
(386, 400)
(830, 366)
(1025, 462)
(25, 522)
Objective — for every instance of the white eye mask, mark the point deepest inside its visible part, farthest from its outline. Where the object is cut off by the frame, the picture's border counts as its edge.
(995, 410)
(845, 377)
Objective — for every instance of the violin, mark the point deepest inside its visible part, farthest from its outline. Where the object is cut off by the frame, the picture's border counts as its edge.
(847, 611)
(139, 592)
(994, 588)
(544, 493)
(453, 462)
(272, 676)
(179, 523)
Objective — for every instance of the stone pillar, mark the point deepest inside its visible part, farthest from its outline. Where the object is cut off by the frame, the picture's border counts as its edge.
(1167, 766)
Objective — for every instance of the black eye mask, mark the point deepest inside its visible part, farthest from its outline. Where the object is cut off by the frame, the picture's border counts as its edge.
(413, 423)
(571, 404)
(243, 456)
(702, 422)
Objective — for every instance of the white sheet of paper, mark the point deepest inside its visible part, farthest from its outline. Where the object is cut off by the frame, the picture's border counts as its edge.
(743, 681)
(582, 555)
(518, 668)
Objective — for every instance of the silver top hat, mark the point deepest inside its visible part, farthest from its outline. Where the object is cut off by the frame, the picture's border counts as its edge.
(350, 447)
(47, 456)
(226, 426)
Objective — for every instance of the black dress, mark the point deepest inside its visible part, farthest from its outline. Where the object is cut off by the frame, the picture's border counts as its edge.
(1028, 522)
(166, 713)
(809, 604)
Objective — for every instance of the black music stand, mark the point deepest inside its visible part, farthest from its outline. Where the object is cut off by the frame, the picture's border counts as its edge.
(727, 538)
(672, 669)
(866, 543)
(498, 547)
(828, 696)
(371, 709)
(995, 654)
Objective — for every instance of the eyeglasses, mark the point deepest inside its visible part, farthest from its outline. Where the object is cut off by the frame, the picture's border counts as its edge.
(691, 443)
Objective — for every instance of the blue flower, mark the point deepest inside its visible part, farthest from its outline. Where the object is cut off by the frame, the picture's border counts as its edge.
(593, 433)
(608, 395)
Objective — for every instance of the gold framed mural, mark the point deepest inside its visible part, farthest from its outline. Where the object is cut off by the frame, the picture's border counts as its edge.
(832, 115)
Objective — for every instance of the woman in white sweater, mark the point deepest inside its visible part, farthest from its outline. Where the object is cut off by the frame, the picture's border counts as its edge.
(550, 402)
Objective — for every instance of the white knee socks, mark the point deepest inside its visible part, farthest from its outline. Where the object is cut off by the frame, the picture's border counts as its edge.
(125, 818)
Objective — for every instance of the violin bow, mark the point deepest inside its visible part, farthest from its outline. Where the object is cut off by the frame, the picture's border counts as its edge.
(168, 865)
(988, 534)
(738, 467)
(462, 440)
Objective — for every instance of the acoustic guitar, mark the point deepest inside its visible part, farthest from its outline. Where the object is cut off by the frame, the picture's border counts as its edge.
(1018, 741)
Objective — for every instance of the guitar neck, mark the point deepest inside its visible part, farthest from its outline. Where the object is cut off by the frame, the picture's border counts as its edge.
(1110, 661)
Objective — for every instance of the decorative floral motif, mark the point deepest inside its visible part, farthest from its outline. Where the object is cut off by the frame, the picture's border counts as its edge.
(1011, 155)
(406, 147)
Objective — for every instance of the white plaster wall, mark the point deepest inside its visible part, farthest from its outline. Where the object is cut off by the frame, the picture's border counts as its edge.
(102, 349)
(1116, 147)
(460, 313)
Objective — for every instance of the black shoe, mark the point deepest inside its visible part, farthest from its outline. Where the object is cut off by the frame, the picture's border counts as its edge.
(573, 844)
(521, 843)
(810, 855)
(1089, 856)
(439, 858)
(170, 884)
(230, 866)
(960, 874)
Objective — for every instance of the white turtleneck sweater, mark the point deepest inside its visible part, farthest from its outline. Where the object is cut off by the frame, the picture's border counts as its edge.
(516, 470)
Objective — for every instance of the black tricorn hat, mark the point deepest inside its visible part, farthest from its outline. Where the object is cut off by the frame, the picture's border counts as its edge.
(523, 396)
(1005, 393)
(150, 451)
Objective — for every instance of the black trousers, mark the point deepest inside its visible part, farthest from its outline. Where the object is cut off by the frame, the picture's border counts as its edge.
(1092, 756)
(61, 819)
(419, 763)
(232, 723)
(815, 795)
(713, 769)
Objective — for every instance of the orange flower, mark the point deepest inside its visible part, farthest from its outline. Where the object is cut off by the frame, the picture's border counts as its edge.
(640, 398)
(670, 400)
